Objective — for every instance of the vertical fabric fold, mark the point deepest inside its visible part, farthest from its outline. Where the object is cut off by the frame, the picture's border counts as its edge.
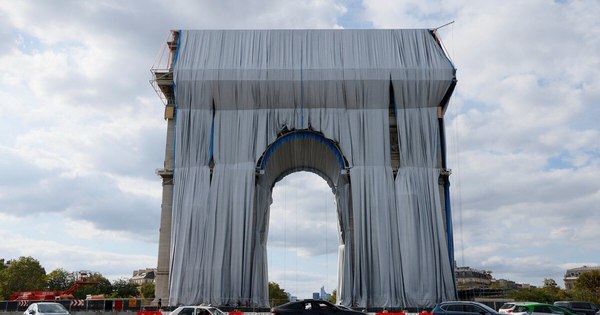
(424, 260)
(190, 207)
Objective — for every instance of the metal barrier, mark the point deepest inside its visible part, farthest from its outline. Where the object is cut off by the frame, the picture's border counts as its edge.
(106, 305)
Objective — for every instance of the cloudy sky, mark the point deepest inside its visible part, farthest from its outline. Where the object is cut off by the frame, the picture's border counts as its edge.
(82, 132)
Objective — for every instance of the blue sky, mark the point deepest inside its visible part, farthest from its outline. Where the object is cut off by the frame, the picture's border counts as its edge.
(83, 131)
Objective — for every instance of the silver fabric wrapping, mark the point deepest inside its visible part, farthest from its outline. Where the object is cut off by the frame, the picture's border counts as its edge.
(237, 90)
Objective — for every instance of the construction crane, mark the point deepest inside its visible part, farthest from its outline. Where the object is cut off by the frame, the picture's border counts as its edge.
(82, 279)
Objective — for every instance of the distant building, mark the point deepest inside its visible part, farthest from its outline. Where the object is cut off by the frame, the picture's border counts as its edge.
(479, 285)
(506, 284)
(324, 295)
(291, 298)
(469, 278)
(573, 274)
(7, 263)
(143, 276)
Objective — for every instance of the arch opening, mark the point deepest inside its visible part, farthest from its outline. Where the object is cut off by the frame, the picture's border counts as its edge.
(303, 237)
(308, 151)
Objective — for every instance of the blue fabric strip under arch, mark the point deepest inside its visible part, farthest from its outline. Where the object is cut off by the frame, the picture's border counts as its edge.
(447, 204)
(302, 135)
(212, 137)
(301, 92)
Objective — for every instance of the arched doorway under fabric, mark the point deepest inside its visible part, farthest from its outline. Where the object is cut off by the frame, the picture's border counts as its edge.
(307, 150)
(303, 237)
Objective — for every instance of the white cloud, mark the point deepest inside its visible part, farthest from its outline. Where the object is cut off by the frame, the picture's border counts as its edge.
(61, 254)
(303, 235)
(303, 216)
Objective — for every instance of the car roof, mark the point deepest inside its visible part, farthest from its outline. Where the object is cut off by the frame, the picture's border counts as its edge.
(461, 302)
(206, 307)
(536, 303)
(466, 302)
(307, 300)
(303, 301)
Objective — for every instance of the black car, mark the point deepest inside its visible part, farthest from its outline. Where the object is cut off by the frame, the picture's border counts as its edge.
(311, 307)
(580, 308)
(463, 308)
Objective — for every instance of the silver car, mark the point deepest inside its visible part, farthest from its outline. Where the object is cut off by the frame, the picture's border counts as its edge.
(46, 308)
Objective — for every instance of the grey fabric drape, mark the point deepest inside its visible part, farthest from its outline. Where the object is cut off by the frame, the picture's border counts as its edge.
(236, 91)
(425, 262)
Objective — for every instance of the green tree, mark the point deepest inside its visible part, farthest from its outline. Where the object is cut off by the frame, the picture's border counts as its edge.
(533, 294)
(553, 292)
(122, 288)
(23, 274)
(102, 286)
(333, 297)
(148, 290)
(587, 287)
(550, 283)
(60, 280)
(589, 281)
(277, 295)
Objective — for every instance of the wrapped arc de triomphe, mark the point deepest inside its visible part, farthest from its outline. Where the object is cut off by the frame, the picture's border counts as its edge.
(363, 109)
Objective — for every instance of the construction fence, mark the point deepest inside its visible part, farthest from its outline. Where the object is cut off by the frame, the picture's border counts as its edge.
(106, 305)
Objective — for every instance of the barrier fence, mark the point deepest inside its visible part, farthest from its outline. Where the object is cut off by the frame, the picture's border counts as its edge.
(106, 305)
(148, 307)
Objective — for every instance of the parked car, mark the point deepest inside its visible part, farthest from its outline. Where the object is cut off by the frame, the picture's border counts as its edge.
(568, 311)
(509, 307)
(344, 307)
(578, 307)
(533, 308)
(197, 310)
(463, 308)
(312, 307)
(46, 308)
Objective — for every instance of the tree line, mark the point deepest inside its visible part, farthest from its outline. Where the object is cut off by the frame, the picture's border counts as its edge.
(586, 288)
(27, 274)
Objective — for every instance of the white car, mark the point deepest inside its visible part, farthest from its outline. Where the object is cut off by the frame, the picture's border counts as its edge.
(509, 307)
(197, 310)
(46, 308)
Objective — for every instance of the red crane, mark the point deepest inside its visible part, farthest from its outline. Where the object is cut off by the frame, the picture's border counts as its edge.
(53, 295)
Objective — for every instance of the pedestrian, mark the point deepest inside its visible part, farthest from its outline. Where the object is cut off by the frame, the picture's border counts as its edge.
(159, 304)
